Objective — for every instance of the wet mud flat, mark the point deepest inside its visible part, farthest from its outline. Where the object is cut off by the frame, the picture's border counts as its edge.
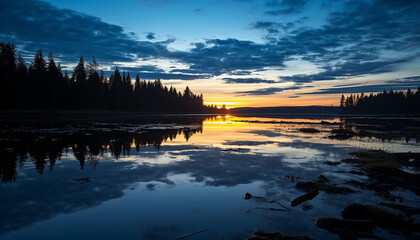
(377, 171)
(383, 173)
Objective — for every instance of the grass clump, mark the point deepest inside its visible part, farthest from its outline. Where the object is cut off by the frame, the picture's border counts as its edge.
(372, 154)
(309, 130)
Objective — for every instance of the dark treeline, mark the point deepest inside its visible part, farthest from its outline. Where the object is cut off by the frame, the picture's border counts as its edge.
(44, 86)
(385, 102)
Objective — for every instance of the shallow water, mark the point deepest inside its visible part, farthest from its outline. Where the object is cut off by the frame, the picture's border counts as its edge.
(162, 179)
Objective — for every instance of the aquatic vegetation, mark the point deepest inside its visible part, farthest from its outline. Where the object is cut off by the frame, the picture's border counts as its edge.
(309, 130)
(322, 183)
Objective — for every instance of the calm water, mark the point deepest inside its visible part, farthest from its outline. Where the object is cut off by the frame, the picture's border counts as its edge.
(161, 179)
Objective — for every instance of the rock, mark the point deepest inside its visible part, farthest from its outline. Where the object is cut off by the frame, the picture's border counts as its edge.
(322, 179)
(323, 183)
(355, 211)
(335, 225)
(331, 163)
(380, 216)
(387, 219)
(82, 180)
(247, 196)
(304, 198)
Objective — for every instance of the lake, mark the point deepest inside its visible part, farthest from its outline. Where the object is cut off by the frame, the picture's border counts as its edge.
(166, 177)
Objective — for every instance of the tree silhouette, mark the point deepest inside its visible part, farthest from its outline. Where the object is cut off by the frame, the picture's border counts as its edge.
(392, 102)
(43, 86)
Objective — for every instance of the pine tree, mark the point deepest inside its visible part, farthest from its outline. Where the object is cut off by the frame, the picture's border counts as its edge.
(37, 77)
(79, 72)
(21, 69)
(187, 92)
(79, 77)
(43, 86)
(137, 84)
(342, 101)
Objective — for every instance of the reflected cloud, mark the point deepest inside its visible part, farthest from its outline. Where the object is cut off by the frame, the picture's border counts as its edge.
(121, 166)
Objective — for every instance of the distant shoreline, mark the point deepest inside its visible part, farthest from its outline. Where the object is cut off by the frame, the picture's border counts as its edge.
(6, 116)
(91, 115)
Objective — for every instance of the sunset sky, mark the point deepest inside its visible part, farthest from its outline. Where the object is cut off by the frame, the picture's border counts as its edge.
(236, 52)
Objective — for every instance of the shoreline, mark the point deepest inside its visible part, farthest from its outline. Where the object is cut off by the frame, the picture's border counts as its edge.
(91, 115)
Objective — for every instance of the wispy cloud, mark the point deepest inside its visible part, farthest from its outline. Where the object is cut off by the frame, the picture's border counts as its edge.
(247, 80)
(400, 84)
(269, 91)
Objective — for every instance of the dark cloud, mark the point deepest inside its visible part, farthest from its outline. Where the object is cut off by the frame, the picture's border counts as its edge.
(351, 43)
(241, 73)
(344, 70)
(169, 76)
(150, 36)
(152, 72)
(247, 80)
(273, 27)
(218, 56)
(269, 91)
(34, 24)
(413, 78)
(197, 10)
(144, 68)
(354, 37)
(369, 88)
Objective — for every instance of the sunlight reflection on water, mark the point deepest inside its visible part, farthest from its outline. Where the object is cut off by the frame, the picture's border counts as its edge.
(166, 184)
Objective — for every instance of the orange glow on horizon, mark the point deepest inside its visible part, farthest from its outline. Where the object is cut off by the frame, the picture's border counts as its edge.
(274, 100)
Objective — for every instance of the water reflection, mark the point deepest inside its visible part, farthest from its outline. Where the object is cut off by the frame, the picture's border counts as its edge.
(44, 145)
(88, 142)
(170, 177)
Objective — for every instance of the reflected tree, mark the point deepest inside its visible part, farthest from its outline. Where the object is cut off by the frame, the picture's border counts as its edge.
(88, 143)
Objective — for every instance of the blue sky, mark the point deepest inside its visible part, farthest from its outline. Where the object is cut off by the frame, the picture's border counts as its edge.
(238, 52)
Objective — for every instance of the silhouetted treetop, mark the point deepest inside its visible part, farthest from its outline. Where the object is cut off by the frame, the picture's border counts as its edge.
(384, 102)
(44, 87)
